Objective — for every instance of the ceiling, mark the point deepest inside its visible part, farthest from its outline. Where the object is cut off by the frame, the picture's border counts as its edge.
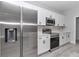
(58, 6)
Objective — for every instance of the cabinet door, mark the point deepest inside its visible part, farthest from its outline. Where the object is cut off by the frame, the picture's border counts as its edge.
(41, 18)
(47, 43)
(59, 19)
(40, 46)
(56, 16)
(62, 39)
(43, 44)
(67, 37)
(65, 40)
(62, 20)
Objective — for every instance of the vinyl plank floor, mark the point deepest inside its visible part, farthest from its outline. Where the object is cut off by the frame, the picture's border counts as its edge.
(68, 50)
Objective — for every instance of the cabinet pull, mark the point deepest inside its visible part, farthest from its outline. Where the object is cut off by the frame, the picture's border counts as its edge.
(68, 35)
(39, 22)
(63, 24)
(40, 38)
(46, 37)
(43, 41)
(62, 37)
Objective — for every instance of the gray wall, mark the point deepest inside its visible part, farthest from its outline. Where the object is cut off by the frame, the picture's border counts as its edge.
(77, 28)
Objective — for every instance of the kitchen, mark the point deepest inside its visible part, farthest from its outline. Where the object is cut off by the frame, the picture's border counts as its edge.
(34, 30)
(53, 34)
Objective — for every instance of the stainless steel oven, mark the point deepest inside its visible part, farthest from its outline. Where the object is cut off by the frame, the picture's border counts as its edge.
(54, 40)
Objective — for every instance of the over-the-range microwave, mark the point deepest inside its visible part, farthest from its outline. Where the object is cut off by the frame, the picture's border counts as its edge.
(50, 21)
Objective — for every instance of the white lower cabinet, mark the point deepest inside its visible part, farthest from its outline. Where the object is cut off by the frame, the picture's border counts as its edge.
(64, 38)
(68, 36)
(43, 43)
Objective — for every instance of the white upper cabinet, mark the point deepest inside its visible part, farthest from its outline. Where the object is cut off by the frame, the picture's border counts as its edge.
(64, 38)
(41, 17)
(62, 23)
(59, 19)
(43, 13)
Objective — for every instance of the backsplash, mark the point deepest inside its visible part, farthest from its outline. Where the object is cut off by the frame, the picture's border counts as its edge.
(53, 28)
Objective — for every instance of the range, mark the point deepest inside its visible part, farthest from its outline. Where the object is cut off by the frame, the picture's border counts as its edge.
(54, 37)
(54, 40)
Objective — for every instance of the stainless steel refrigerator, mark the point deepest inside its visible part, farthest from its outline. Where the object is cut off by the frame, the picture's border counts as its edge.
(18, 30)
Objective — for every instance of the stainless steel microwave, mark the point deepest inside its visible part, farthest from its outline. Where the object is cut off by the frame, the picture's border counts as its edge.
(50, 21)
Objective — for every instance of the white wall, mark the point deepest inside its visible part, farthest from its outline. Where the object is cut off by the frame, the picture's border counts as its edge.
(71, 22)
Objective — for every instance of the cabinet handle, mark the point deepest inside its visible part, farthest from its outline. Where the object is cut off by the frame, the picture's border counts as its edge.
(68, 35)
(63, 24)
(39, 22)
(62, 37)
(46, 37)
(43, 41)
(40, 38)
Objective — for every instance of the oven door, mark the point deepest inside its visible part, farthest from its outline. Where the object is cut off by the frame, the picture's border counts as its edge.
(54, 42)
